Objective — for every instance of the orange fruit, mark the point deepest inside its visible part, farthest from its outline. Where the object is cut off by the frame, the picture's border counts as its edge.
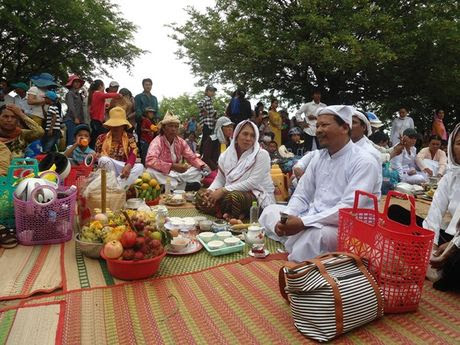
(84, 142)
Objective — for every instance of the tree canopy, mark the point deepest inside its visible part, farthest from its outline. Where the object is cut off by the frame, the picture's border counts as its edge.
(63, 36)
(185, 105)
(378, 54)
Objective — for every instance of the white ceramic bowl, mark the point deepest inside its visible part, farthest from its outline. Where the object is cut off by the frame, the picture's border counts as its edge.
(179, 192)
(205, 225)
(215, 244)
(207, 236)
(179, 243)
(198, 219)
(188, 221)
(223, 235)
(231, 241)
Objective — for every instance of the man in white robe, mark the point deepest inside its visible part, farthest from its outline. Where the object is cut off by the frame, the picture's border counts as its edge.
(329, 184)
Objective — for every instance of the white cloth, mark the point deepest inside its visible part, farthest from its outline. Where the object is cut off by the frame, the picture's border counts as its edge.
(398, 126)
(345, 112)
(329, 184)
(22, 103)
(447, 196)
(111, 164)
(405, 162)
(36, 109)
(306, 110)
(249, 173)
(178, 180)
(366, 144)
(432, 165)
(384, 152)
(218, 133)
(172, 150)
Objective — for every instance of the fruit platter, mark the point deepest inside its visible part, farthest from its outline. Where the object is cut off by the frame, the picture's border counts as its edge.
(147, 188)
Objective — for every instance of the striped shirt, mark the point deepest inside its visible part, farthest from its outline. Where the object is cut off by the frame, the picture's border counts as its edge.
(208, 119)
(53, 110)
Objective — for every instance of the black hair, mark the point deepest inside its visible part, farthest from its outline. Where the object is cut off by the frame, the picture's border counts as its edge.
(2, 107)
(435, 137)
(264, 112)
(378, 137)
(95, 85)
(273, 142)
(437, 111)
(271, 135)
(125, 92)
(273, 100)
(146, 80)
(82, 129)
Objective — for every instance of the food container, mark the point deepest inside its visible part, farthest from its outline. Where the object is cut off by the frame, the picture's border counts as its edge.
(89, 249)
(179, 243)
(135, 203)
(189, 221)
(231, 241)
(198, 219)
(222, 235)
(205, 225)
(132, 270)
(176, 222)
(206, 236)
(226, 249)
(179, 192)
(213, 245)
(219, 225)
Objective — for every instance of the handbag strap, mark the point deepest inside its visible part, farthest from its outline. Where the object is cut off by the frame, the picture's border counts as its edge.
(282, 283)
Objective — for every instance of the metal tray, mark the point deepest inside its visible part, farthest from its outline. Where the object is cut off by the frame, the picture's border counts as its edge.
(222, 251)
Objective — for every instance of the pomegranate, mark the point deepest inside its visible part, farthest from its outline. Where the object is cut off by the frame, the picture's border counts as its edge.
(128, 239)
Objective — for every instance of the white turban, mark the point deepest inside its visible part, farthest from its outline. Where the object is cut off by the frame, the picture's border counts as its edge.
(363, 117)
(345, 112)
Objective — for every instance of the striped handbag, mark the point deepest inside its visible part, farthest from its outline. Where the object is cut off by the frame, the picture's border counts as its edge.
(330, 295)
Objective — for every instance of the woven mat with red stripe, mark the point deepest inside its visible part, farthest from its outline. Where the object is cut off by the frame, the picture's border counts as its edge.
(229, 304)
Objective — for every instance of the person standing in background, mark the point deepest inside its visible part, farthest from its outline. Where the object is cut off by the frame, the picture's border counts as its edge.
(399, 125)
(36, 95)
(275, 120)
(208, 115)
(21, 97)
(438, 125)
(74, 101)
(306, 119)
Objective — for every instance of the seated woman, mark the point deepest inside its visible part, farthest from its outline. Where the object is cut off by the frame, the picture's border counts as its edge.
(446, 199)
(117, 149)
(432, 160)
(165, 154)
(215, 145)
(293, 150)
(405, 163)
(243, 177)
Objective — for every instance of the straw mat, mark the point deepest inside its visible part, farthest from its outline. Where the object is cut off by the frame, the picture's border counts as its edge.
(26, 270)
(230, 304)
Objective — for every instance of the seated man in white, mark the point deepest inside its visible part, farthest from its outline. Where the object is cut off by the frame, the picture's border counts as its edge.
(405, 163)
(360, 131)
(329, 184)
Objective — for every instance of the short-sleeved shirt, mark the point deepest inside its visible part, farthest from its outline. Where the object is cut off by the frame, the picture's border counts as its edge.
(79, 155)
(53, 110)
(36, 109)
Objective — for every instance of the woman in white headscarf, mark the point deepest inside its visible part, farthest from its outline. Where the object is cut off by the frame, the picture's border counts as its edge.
(243, 177)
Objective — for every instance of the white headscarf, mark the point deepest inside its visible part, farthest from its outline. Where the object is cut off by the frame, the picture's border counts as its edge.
(363, 118)
(218, 133)
(232, 167)
(345, 112)
(452, 165)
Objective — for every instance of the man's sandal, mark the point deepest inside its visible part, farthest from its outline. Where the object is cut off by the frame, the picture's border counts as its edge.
(8, 238)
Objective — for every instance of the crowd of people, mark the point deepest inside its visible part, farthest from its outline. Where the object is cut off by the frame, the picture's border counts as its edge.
(328, 152)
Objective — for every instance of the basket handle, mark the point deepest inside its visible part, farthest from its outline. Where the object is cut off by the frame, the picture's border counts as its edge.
(39, 188)
(89, 160)
(399, 195)
(358, 193)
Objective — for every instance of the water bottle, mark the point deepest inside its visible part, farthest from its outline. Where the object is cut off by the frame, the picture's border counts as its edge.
(386, 174)
(168, 186)
(254, 213)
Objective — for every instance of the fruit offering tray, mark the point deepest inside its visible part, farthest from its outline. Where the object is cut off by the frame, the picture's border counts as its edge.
(224, 250)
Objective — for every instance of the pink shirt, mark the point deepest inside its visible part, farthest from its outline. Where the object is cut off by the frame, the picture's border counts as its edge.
(97, 107)
(159, 155)
(439, 157)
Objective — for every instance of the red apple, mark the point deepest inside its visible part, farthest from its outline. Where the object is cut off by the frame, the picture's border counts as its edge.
(128, 239)
(113, 249)
(128, 254)
(138, 256)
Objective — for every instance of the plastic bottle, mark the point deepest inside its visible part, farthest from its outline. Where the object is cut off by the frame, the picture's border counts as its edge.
(254, 213)
(168, 186)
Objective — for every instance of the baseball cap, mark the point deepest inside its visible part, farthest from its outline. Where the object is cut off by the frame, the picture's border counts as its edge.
(20, 85)
(114, 84)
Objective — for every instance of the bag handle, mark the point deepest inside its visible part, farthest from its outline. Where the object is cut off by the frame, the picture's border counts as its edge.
(282, 283)
(401, 196)
(359, 193)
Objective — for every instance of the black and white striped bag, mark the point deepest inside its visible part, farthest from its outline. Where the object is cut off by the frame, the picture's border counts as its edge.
(330, 295)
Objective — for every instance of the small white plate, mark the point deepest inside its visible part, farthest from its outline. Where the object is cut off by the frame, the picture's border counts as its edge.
(183, 227)
(266, 252)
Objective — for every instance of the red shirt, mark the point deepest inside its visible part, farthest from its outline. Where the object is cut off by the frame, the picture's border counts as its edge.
(146, 136)
(97, 107)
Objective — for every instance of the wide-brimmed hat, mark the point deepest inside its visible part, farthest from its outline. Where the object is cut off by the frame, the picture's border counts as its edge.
(43, 80)
(20, 85)
(72, 78)
(169, 118)
(374, 120)
(117, 117)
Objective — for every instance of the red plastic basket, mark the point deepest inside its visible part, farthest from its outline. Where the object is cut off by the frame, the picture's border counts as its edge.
(76, 172)
(397, 255)
(132, 270)
(45, 223)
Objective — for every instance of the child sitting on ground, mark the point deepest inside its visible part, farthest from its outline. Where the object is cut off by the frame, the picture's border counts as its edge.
(80, 149)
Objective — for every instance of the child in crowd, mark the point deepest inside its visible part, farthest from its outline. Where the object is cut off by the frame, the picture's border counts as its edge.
(78, 152)
(148, 131)
(272, 149)
(265, 139)
(265, 126)
(53, 123)
(191, 126)
(191, 141)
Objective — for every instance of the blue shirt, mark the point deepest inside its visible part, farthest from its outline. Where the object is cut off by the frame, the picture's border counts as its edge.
(78, 156)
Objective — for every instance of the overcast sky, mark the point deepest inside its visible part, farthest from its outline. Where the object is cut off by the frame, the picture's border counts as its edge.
(171, 77)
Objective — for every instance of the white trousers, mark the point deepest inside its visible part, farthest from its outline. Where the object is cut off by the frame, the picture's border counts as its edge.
(304, 245)
(431, 164)
(117, 166)
(417, 178)
(178, 180)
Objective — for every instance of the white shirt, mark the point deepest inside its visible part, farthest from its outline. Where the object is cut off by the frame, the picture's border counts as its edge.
(22, 103)
(257, 180)
(303, 162)
(366, 144)
(446, 198)
(306, 110)
(398, 126)
(330, 182)
(405, 161)
(36, 109)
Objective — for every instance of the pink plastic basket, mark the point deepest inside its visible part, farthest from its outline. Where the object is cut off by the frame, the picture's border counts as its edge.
(45, 223)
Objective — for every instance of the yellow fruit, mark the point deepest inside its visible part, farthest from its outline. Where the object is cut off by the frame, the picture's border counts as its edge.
(145, 186)
(153, 183)
(146, 177)
(96, 225)
(139, 181)
(158, 187)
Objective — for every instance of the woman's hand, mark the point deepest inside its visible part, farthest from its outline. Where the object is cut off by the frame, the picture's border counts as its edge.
(126, 171)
